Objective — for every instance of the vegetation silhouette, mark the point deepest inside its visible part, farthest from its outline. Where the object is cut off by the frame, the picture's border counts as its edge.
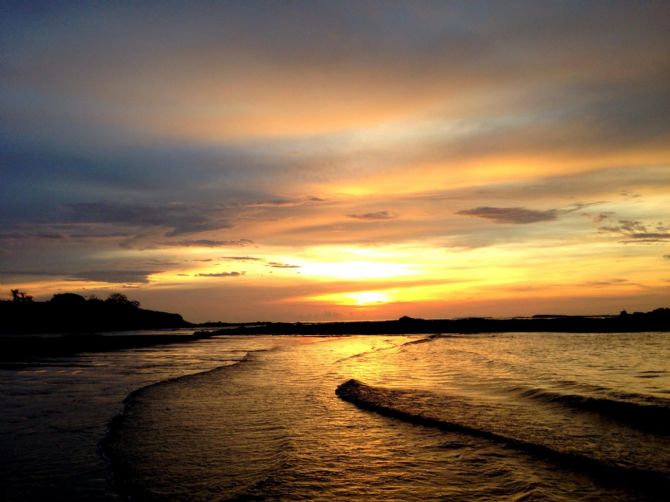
(79, 319)
(72, 313)
(20, 296)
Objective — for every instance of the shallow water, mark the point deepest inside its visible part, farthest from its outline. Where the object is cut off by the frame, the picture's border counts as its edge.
(55, 411)
(531, 416)
(272, 427)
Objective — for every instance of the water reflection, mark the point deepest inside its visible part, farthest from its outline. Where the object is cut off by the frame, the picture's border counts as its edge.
(272, 427)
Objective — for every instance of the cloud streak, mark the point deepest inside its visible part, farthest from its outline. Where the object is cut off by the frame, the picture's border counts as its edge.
(222, 274)
(175, 218)
(108, 276)
(376, 215)
(514, 215)
(210, 243)
(632, 231)
(274, 264)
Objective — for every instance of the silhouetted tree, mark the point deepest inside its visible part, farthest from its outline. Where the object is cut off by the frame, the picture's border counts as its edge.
(121, 299)
(67, 299)
(20, 296)
(93, 299)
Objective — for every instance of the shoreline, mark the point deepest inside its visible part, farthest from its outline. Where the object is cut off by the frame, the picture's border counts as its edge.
(656, 320)
(22, 348)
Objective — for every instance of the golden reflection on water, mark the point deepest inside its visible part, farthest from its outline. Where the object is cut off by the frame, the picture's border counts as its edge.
(273, 428)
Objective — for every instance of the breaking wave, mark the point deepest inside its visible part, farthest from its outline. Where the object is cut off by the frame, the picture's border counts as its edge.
(409, 406)
(649, 416)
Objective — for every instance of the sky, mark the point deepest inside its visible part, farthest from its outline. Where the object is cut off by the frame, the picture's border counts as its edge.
(320, 160)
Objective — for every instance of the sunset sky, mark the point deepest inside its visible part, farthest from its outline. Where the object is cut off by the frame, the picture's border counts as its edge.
(330, 160)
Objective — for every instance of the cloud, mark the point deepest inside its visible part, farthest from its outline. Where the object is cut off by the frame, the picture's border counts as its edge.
(598, 183)
(178, 218)
(35, 235)
(222, 274)
(284, 202)
(208, 243)
(113, 276)
(600, 217)
(377, 215)
(110, 276)
(516, 215)
(666, 256)
(636, 231)
(241, 258)
(610, 282)
(29, 273)
(275, 264)
(54, 232)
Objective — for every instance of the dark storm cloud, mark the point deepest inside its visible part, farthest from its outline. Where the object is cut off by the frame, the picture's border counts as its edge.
(377, 215)
(517, 215)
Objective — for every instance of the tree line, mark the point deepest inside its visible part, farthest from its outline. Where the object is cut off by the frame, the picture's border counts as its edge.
(19, 296)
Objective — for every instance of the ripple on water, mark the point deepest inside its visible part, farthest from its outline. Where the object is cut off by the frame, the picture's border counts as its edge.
(272, 427)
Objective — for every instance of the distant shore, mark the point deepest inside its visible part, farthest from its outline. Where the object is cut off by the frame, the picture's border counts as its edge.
(19, 343)
(656, 320)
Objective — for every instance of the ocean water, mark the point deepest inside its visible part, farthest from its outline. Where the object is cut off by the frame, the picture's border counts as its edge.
(55, 411)
(532, 416)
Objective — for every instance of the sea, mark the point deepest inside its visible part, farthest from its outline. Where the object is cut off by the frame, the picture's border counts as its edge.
(513, 416)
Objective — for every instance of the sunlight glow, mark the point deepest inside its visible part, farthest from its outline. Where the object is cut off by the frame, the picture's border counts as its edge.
(355, 298)
(359, 270)
(370, 297)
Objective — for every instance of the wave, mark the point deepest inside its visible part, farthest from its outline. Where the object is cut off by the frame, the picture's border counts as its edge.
(401, 405)
(119, 469)
(650, 417)
(375, 350)
(430, 338)
(425, 339)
